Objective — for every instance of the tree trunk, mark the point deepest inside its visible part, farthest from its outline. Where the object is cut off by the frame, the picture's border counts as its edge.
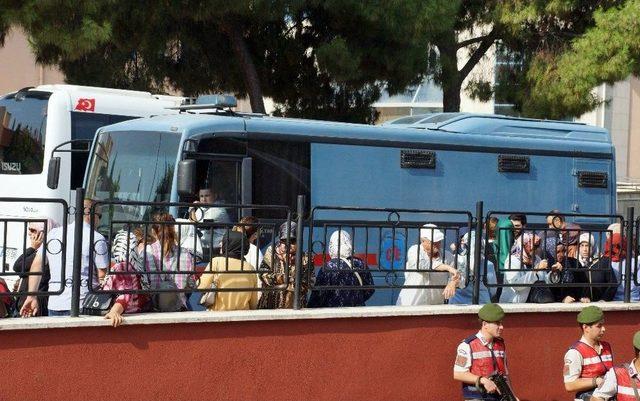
(247, 66)
(450, 79)
(451, 96)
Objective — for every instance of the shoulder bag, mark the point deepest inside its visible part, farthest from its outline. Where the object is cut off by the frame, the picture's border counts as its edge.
(97, 304)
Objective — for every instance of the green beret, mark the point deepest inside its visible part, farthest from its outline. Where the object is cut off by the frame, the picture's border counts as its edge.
(590, 315)
(491, 313)
(636, 340)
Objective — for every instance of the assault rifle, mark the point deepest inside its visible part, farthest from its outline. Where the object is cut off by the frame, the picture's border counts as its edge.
(506, 393)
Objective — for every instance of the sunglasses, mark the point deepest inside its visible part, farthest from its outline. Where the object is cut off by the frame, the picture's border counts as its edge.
(32, 230)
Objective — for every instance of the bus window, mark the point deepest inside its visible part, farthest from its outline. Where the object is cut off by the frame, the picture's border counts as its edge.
(23, 118)
(84, 126)
(280, 173)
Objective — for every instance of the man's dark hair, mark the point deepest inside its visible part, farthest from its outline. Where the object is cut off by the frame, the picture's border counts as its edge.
(519, 217)
(555, 213)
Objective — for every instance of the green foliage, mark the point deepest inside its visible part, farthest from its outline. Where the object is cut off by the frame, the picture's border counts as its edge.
(297, 49)
(330, 59)
(609, 51)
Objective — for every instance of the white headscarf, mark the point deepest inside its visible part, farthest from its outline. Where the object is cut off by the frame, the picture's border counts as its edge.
(346, 246)
(588, 238)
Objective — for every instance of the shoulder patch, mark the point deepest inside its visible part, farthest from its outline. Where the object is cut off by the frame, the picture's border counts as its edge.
(461, 360)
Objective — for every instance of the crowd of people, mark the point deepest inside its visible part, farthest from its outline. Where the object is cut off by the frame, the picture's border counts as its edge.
(560, 263)
(157, 268)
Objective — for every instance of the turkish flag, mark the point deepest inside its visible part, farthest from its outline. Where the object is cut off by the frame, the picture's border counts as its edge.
(86, 105)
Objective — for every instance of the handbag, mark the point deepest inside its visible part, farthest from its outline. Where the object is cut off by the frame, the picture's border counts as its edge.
(540, 295)
(97, 304)
(208, 299)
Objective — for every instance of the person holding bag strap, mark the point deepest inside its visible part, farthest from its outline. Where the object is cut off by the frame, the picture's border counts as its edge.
(621, 382)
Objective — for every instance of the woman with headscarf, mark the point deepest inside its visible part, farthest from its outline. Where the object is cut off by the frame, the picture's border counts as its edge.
(22, 265)
(344, 270)
(563, 272)
(226, 272)
(606, 270)
(279, 271)
(522, 267)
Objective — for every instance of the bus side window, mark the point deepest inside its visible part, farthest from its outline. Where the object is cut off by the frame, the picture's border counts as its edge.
(280, 173)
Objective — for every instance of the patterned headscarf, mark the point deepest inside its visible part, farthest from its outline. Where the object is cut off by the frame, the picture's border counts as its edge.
(524, 247)
(346, 246)
(615, 248)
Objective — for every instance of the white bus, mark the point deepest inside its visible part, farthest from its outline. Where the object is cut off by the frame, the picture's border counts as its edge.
(34, 121)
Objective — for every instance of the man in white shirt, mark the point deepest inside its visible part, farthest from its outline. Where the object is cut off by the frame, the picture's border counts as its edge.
(482, 356)
(588, 359)
(210, 214)
(622, 382)
(428, 255)
(60, 305)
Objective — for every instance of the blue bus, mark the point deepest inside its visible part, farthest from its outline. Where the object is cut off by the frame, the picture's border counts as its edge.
(504, 161)
(508, 163)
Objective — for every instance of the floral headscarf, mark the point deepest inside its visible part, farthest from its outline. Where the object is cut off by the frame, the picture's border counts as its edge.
(615, 248)
(524, 247)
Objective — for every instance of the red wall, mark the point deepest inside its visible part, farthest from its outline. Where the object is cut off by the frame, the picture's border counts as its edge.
(396, 358)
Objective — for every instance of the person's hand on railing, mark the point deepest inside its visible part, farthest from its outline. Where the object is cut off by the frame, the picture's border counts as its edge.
(30, 307)
(557, 267)
(450, 289)
(543, 265)
(568, 299)
(585, 300)
(115, 314)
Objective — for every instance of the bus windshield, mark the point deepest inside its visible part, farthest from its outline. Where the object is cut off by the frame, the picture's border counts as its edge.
(132, 166)
(23, 118)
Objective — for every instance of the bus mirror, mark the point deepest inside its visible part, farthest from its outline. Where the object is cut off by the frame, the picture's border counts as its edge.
(187, 177)
(53, 174)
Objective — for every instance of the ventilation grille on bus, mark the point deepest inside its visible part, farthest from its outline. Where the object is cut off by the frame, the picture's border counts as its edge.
(513, 164)
(592, 179)
(417, 159)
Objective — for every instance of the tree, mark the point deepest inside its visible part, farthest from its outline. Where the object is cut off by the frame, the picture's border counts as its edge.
(321, 59)
(605, 52)
(258, 48)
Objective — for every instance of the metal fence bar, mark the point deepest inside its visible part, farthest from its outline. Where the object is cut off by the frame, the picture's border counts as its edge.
(477, 254)
(77, 253)
(629, 256)
(298, 280)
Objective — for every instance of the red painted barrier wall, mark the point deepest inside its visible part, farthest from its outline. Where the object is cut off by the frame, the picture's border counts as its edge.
(392, 358)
